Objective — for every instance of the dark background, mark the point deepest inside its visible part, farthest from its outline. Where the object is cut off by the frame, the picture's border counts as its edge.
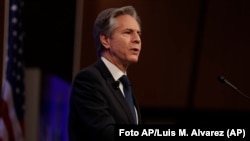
(49, 41)
(186, 45)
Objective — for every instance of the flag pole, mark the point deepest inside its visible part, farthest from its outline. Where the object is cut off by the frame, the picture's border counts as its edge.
(5, 41)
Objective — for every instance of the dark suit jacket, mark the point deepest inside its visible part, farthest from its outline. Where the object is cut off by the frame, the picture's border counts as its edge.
(97, 105)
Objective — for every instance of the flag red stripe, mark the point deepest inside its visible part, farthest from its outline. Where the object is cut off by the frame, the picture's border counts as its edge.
(6, 119)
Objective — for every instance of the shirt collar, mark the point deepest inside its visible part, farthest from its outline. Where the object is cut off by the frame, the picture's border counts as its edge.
(115, 71)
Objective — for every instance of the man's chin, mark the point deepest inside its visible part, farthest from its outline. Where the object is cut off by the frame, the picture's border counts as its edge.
(132, 61)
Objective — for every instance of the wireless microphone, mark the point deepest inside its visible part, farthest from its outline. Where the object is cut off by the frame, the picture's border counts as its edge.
(116, 84)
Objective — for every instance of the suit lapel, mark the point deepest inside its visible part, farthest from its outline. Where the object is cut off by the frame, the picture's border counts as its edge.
(114, 87)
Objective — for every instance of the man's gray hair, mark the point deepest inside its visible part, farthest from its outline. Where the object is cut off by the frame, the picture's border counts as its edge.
(105, 23)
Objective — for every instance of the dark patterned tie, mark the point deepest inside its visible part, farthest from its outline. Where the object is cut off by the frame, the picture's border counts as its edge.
(128, 94)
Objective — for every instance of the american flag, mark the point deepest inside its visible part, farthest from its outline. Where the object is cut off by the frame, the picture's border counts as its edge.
(12, 98)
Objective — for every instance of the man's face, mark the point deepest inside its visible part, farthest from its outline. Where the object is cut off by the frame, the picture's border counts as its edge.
(125, 42)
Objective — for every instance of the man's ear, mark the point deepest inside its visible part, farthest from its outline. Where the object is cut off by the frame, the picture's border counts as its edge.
(104, 40)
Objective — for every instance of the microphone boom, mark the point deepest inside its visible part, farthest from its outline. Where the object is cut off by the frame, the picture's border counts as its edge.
(222, 79)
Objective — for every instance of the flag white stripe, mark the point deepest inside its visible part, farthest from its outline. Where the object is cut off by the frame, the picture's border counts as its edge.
(3, 131)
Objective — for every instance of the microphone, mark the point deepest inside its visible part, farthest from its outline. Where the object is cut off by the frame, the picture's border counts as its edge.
(116, 84)
(223, 80)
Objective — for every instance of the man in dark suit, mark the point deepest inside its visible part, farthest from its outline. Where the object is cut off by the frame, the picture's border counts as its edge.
(98, 96)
